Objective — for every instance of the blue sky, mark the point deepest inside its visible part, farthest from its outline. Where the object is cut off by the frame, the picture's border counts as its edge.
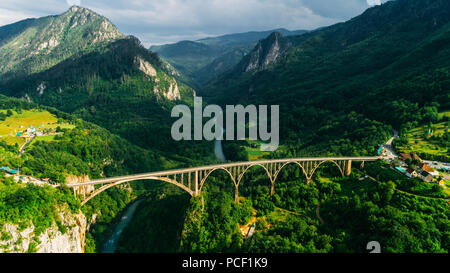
(168, 21)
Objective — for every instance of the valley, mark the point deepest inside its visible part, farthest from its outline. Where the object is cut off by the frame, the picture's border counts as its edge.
(85, 110)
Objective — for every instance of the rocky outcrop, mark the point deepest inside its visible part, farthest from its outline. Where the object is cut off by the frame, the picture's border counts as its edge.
(145, 67)
(172, 93)
(68, 239)
(83, 191)
(266, 52)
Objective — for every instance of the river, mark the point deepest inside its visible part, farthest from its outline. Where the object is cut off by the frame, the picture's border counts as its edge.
(111, 244)
(218, 151)
(218, 148)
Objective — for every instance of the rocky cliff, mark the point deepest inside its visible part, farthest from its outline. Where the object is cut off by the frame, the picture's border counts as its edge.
(266, 52)
(66, 236)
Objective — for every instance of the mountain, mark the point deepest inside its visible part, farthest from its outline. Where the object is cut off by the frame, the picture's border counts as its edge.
(34, 45)
(200, 61)
(346, 84)
(266, 52)
(107, 79)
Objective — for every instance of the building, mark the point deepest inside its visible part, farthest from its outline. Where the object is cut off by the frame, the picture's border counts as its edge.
(425, 168)
(13, 172)
(405, 157)
(416, 157)
(426, 177)
(31, 130)
(412, 156)
(441, 181)
(411, 173)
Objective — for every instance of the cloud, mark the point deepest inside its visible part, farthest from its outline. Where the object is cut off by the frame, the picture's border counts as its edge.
(162, 21)
(73, 2)
(373, 2)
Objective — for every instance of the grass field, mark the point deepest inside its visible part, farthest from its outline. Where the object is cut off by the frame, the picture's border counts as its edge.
(42, 138)
(421, 144)
(254, 152)
(19, 122)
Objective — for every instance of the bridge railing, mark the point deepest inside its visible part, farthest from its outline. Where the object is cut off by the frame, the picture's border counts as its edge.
(225, 165)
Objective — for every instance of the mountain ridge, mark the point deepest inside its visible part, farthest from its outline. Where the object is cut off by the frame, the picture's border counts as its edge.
(33, 45)
(364, 69)
(205, 59)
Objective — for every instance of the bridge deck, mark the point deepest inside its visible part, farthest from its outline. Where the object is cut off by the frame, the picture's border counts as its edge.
(227, 165)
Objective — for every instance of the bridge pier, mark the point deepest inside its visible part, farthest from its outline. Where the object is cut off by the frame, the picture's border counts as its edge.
(196, 193)
(272, 189)
(236, 194)
(348, 168)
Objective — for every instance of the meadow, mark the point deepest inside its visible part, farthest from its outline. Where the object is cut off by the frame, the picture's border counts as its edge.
(423, 144)
(39, 119)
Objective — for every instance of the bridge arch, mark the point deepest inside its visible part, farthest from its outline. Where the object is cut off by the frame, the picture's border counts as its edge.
(241, 175)
(327, 161)
(277, 173)
(162, 179)
(203, 180)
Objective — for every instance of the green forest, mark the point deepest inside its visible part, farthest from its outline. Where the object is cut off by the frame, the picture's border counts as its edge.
(342, 90)
(354, 212)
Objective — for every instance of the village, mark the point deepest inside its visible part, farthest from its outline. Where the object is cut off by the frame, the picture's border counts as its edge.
(29, 134)
(412, 166)
(33, 132)
(25, 179)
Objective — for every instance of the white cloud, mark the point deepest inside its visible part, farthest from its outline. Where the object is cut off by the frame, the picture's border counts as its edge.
(373, 2)
(7, 16)
(73, 2)
(160, 21)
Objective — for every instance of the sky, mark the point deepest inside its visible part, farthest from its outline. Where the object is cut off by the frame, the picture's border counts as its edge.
(157, 22)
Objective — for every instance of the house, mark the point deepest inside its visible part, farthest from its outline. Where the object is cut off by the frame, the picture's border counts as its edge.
(31, 130)
(411, 173)
(5, 168)
(19, 133)
(441, 181)
(424, 167)
(416, 157)
(426, 177)
(405, 157)
(11, 171)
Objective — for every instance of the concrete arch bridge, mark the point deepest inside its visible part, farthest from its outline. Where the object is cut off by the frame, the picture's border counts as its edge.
(192, 180)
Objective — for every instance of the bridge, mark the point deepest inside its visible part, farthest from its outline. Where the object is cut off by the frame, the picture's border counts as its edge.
(192, 180)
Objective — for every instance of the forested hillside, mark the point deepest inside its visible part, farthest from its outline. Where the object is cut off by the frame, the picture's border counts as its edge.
(118, 85)
(342, 89)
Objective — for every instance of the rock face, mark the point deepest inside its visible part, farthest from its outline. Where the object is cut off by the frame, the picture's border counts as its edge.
(266, 52)
(145, 67)
(172, 93)
(86, 190)
(71, 240)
